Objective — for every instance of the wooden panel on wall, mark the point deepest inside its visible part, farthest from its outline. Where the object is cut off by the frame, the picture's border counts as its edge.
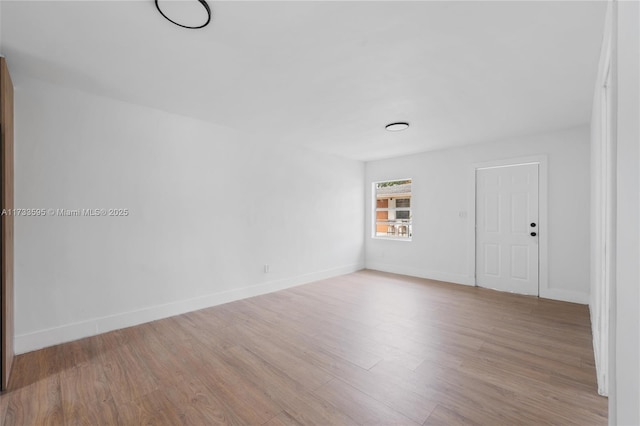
(6, 245)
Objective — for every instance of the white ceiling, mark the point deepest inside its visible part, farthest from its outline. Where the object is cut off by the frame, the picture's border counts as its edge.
(328, 75)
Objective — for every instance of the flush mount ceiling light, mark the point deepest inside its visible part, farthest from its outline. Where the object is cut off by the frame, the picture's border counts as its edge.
(191, 27)
(396, 127)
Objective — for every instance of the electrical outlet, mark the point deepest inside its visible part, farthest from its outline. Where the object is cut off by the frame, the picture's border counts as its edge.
(266, 268)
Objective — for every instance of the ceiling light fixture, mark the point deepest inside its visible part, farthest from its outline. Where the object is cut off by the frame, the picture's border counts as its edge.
(206, 8)
(396, 127)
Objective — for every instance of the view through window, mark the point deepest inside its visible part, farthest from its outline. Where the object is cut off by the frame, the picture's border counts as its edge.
(393, 209)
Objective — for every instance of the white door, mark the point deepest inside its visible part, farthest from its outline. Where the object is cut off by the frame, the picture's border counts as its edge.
(507, 228)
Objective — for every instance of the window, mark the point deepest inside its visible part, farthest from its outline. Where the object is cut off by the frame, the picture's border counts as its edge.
(393, 209)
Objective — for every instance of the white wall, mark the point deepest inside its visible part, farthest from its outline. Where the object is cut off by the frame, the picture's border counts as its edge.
(0, 27)
(624, 402)
(617, 332)
(442, 187)
(208, 208)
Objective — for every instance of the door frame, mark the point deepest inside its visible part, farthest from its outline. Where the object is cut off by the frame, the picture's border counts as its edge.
(603, 216)
(543, 248)
(6, 224)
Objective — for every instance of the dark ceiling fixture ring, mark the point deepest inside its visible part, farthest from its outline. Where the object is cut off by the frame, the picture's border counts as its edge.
(397, 126)
(206, 8)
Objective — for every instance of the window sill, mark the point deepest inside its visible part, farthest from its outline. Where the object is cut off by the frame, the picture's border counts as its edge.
(405, 239)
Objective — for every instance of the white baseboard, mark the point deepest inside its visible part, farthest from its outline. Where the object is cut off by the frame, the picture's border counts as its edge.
(549, 293)
(422, 273)
(600, 374)
(69, 332)
(565, 295)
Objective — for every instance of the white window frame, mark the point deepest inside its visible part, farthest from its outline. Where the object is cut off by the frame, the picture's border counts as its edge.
(375, 210)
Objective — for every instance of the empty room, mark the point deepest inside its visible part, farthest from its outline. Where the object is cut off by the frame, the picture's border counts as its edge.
(319, 212)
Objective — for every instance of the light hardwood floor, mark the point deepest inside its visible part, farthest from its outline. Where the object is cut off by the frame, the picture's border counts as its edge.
(366, 348)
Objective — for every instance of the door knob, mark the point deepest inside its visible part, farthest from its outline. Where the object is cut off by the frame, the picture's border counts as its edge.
(533, 225)
(533, 234)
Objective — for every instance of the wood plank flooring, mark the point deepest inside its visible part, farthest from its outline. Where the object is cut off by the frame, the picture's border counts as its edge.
(368, 348)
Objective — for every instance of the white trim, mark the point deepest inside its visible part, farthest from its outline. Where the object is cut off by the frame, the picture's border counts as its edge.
(606, 252)
(405, 239)
(543, 223)
(421, 273)
(603, 220)
(69, 332)
(392, 180)
(374, 208)
(504, 166)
